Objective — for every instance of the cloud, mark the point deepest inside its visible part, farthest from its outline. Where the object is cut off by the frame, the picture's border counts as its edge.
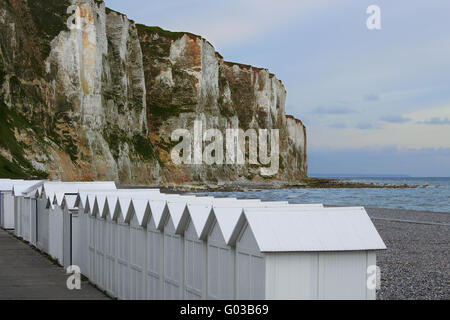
(366, 126)
(338, 125)
(371, 97)
(224, 23)
(334, 110)
(436, 122)
(395, 119)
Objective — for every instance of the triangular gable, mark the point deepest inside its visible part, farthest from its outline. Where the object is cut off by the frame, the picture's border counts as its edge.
(174, 210)
(239, 227)
(125, 209)
(41, 191)
(69, 202)
(59, 196)
(227, 219)
(157, 208)
(198, 215)
(90, 204)
(141, 210)
(112, 202)
(23, 188)
(81, 199)
(100, 202)
(34, 194)
(49, 204)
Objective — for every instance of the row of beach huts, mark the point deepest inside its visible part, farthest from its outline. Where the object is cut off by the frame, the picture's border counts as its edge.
(141, 244)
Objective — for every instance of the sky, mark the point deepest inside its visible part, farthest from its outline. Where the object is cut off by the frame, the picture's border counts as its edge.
(374, 101)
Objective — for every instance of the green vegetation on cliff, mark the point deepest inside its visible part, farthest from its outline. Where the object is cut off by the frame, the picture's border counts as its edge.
(50, 19)
(161, 32)
(115, 137)
(19, 167)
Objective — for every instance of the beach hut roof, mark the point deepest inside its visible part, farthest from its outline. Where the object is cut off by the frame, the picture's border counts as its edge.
(125, 208)
(112, 202)
(51, 188)
(227, 215)
(69, 202)
(33, 189)
(21, 188)
(226, 218)
(138, 191)
(250, 203)
(198, 214)
(157, 208)
(100, 202)
(157, 202)
(174, 210)
(90, 204)
(58, 198)
(7, 184)
(306, 206)
(330, 229)
(141, 210)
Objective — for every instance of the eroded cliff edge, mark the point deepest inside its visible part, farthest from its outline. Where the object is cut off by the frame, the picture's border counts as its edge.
(86, 94)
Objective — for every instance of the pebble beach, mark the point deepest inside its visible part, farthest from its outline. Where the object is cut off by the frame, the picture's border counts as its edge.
(416, 265)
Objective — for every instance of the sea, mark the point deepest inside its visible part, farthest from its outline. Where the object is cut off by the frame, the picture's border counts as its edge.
(432, 194)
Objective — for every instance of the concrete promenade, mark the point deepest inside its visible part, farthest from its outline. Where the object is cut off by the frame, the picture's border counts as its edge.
(26, 274)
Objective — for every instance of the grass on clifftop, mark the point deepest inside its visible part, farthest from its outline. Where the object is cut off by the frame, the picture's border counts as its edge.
(161, 32)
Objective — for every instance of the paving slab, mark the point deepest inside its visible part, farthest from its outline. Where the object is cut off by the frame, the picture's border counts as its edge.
(27, 274)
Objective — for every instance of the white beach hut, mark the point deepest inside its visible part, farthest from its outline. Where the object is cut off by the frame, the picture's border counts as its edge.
(49, 196)
(99, 214)
(22, 208)
(210, 271)
(91, 239)
(172, 249)
(191, 227)
(33, 217)
(112, 211)
(123, 249)
(107, 205)
(220, 257)
(71, 230)
(7, 203)
(43, 207)
(98, 240)
(141, 244)
(55, 234)
(155, 251)
(126, 248)
(56, 191)
(85, 202)
(17, 215)
(304, 254)
(173, 243)
(138, 248)
(81, 259)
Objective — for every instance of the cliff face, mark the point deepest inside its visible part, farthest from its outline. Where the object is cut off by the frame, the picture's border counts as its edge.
(86, 94)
